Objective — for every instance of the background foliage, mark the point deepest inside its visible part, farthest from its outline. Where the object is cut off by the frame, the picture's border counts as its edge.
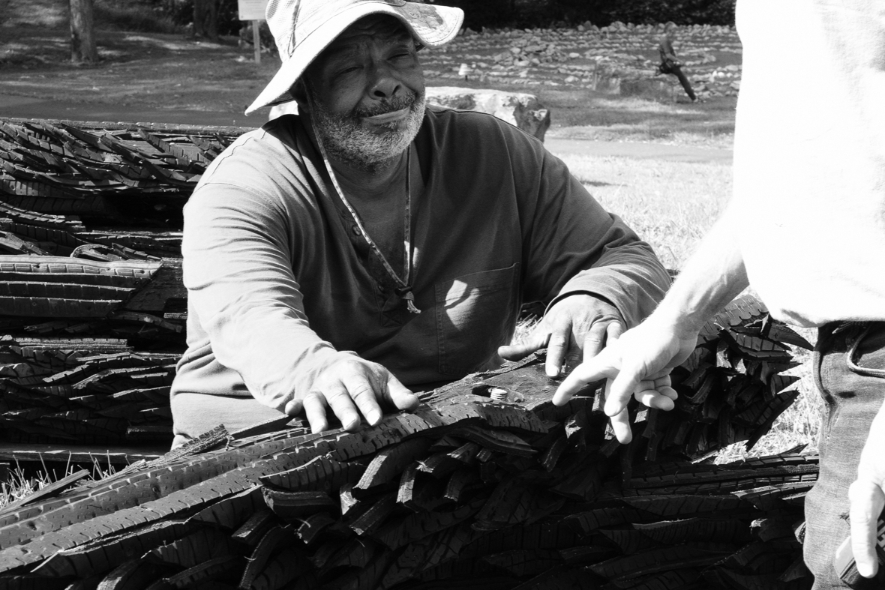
(534, 13)
(478, 13)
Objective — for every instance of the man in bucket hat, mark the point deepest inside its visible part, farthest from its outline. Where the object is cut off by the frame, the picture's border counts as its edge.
(368, 247)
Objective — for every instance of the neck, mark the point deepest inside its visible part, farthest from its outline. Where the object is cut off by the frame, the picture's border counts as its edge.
(367, 183)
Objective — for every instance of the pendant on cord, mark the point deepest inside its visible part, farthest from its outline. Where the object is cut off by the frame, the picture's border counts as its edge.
(406, 293)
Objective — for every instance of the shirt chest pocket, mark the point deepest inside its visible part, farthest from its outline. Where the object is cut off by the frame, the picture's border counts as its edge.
(475, 314)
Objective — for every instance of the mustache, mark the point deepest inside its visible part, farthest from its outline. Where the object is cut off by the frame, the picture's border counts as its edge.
(397, 103)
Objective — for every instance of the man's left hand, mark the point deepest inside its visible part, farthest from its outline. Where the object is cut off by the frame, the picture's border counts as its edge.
(576, 328)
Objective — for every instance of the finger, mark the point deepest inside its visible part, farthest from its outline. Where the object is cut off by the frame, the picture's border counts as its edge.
(293, 407)
(338, 398)
(621, 427)
(594, 341)
(867, 501)
(667, 391)
(613, 332)
(653, 399)
(399, 396)
(536, 341)
(363, 393)
(623, 386)
(556, 349)
(620, 422)
(584, 374)
(315, 412)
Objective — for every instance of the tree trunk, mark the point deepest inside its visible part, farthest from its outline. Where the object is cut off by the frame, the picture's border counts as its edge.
(83, 47)
(206, 19)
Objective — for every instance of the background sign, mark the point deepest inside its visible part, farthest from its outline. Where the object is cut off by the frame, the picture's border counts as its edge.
(251, 9)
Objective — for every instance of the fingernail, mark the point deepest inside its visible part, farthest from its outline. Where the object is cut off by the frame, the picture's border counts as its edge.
(374, 417)
(552, 372)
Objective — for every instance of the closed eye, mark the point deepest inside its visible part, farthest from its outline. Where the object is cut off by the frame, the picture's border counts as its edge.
(349, 70)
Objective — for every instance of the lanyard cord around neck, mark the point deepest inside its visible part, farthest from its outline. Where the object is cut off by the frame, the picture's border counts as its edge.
(404, 290)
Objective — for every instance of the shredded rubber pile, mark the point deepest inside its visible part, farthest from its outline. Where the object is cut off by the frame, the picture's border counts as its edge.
(92, 307)
(486, 485)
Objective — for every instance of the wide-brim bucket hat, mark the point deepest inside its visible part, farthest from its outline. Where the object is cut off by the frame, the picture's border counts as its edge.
(302, 29)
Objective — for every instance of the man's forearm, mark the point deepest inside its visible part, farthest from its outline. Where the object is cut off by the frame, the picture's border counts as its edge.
(712, 277)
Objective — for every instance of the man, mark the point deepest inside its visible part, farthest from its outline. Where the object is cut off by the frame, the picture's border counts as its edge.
(339, 259)
(669, 63)
(806, 226)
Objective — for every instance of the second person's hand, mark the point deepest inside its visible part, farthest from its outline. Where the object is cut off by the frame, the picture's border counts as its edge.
(636, 364)
(576, 327)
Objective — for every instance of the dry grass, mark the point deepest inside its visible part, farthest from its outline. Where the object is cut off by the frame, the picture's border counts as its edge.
(24, 482)
(20, 486)
(591, 115)
(671, 205)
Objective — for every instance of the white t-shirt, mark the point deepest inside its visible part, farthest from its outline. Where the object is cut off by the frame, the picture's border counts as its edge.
(809, 157)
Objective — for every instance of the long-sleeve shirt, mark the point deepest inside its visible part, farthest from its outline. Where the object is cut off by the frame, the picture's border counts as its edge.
(668, 54)
(665, 48)
(809, 158)
(279, 279)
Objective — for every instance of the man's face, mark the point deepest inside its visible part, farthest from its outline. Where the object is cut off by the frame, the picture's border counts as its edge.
(366, 92)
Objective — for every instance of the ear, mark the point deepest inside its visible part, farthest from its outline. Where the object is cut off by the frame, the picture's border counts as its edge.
(299, 93)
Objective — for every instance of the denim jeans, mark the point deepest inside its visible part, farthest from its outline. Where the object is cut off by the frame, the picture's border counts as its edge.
(849, 371)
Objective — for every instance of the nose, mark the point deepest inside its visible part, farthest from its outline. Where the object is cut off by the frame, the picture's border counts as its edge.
(384, 83)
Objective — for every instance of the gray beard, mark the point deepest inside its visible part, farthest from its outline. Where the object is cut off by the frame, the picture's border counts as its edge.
(346, 140)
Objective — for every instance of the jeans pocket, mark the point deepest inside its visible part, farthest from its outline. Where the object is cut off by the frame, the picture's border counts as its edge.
(475, 313)
(867, 355)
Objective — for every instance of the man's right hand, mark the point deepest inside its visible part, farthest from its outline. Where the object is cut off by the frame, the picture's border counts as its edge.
(639, 364)
(352, 386)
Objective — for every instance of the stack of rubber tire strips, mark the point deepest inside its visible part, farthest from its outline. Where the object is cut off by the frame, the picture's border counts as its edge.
(92, 307)
(487, 485)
